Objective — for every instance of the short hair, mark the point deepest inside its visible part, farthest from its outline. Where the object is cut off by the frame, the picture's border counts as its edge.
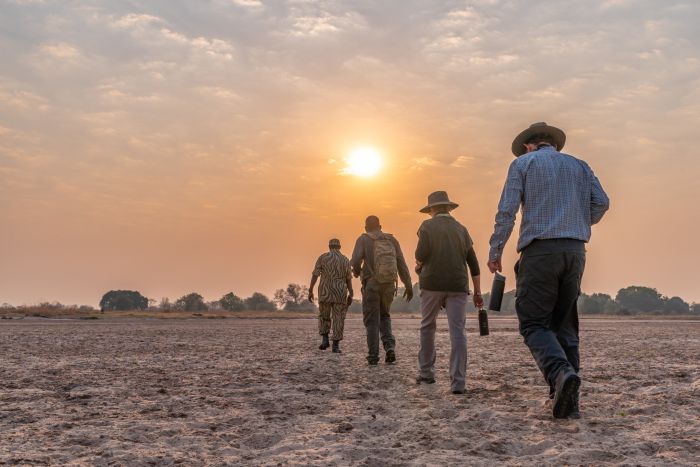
(538, 138)
(442, 208)
(372, 222)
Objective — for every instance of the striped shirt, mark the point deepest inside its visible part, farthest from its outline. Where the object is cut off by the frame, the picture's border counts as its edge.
(334, 269)
(560, 198)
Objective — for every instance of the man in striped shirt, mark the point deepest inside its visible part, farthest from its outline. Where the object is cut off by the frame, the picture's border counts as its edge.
(334, 293)
(561, 199)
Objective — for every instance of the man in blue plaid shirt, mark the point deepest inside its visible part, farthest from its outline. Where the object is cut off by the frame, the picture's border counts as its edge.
(561, 199)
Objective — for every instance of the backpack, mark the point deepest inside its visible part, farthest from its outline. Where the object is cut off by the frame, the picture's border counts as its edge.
(385, 268)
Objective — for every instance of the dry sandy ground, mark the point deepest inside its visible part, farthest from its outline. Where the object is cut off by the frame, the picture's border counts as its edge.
(258, 392)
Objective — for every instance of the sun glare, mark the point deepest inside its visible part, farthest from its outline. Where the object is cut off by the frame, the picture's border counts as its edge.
(363, 162)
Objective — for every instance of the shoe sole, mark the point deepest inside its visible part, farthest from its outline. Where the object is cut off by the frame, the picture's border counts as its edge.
(425, 381)
(562, 406)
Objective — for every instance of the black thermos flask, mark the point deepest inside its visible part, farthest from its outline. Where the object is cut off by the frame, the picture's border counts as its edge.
(483, 323)
(499, 285)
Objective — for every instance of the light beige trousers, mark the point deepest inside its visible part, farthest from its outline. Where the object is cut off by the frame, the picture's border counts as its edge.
(455, 304)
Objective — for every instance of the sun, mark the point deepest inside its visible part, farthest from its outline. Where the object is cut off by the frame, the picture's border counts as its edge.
(363, 162)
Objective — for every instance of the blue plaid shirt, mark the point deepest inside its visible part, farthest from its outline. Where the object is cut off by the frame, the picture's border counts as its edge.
(560, 198)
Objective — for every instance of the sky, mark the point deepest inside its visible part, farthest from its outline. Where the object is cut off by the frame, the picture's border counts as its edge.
(175, 146)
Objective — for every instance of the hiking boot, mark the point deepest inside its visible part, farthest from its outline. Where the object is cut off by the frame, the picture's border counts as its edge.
(324, 343)
(459, 391)
(565, 386)
(336, 347)
(575, 414)
(423, 379)
(372, 361)
(390, 357)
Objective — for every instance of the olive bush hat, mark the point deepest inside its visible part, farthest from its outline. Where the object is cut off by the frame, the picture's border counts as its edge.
(535, 129)
(438, 198)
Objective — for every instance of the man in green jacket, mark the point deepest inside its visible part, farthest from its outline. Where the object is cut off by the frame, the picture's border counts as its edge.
(444, 252)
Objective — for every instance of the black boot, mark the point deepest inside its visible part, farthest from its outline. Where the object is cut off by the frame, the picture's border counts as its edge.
(565, 386)
(324, 343)
(336, 347)
(575, 413)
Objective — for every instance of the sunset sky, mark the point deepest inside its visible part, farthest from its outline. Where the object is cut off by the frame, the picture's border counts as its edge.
(173, 146)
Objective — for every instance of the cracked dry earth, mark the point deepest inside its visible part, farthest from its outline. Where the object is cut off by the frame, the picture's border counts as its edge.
(258, 392)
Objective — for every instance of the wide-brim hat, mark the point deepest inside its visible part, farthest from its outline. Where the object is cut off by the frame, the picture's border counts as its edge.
(438, 198)
(535, 129)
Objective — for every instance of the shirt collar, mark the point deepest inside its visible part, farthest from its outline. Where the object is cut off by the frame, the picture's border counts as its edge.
(443, 214)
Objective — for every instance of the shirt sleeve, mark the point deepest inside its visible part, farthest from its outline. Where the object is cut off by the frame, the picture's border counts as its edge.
(423, 248)
(507, 209)
(404, 275)
(317, 268)
(473, 263)
(600, 202)
(348, 271)
(358, 254)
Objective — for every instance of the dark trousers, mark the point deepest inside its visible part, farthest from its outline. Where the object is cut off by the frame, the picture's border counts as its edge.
(548, 285)
(376, 302)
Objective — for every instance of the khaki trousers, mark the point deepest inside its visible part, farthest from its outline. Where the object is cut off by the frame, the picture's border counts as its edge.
(455, 304)
(332, 315)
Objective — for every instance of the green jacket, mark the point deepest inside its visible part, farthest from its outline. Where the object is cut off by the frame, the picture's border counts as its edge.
(445, 249)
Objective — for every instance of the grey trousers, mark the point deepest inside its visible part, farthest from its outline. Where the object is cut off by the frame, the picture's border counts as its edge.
(455, 304)
(548, 285)
(376, 303)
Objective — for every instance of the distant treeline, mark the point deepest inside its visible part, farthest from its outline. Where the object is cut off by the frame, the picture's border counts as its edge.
(630, 300)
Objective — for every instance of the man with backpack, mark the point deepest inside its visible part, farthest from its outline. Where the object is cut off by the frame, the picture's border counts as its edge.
(377, 259)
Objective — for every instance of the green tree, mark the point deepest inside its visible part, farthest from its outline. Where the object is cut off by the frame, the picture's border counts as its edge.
(123, 300)
(641, 299)
(259, 302)
(232, 302)
(165, 304)
(676, 305)
(401, 305)
(597, 303)
(191, 302)
(294, 298)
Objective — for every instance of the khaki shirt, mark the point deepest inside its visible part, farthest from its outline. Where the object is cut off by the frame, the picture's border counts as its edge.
(334, 269)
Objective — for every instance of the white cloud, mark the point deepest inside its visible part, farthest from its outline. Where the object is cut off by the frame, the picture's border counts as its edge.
(462, 161)
(22, 100)
(253, 4)
(309, 19)
(135, 21)
(61, 51)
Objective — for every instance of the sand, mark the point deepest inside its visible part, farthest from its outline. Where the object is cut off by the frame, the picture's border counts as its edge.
(258, 392)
